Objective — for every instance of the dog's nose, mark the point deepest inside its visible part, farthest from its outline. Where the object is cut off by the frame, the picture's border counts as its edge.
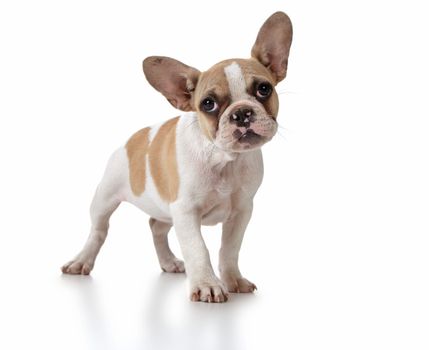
(242, 117)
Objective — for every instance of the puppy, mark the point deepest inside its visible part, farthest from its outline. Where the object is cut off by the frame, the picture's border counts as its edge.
(201, 168)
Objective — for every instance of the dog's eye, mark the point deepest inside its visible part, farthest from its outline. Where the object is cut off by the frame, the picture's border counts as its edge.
(209, 104)
(263, 90)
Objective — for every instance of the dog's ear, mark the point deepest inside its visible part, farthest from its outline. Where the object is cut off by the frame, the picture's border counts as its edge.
(175, 80)
(273, 43)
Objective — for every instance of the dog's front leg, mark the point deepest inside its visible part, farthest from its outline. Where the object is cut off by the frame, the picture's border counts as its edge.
(204, 285)
(232, 236)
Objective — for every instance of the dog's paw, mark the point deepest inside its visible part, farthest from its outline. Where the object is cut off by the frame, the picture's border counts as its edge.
(174, 266)
(78, 266)
(212, 291)
(238, 284)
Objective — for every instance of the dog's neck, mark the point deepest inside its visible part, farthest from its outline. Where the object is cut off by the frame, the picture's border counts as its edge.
(204, 149)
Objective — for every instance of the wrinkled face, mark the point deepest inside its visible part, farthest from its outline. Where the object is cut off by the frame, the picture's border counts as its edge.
(237, 104)
(235, 99)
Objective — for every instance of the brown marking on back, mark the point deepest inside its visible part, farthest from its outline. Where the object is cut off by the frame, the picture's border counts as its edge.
(137, 148)
(163, 161)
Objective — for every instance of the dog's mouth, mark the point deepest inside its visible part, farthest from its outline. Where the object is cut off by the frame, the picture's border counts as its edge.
(248, 137)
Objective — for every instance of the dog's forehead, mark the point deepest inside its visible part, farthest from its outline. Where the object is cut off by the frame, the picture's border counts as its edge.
(233, 76)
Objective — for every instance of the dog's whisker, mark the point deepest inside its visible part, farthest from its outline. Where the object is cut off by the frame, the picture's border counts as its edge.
(281, 135)
(289, 92)
(282, 127)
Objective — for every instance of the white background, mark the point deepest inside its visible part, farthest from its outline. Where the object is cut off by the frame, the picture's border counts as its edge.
(338, 243)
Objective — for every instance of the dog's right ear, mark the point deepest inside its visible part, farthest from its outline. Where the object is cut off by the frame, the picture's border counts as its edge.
(174, 79)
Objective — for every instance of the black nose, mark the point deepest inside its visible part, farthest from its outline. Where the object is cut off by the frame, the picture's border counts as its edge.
(242, 117)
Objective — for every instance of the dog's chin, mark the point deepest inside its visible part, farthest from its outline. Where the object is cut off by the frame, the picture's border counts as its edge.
(248, 141)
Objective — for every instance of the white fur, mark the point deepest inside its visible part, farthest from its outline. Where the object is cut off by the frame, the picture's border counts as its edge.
(236, 82)
(153, 131)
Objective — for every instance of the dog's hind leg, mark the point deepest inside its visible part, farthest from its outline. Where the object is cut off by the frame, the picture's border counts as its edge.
(104, 203)
(167, 260)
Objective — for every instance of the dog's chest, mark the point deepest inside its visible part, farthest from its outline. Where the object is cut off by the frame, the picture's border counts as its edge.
(216, 207)
(219, 189)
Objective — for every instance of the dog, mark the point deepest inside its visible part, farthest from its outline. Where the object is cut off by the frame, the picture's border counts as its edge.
(201, 168)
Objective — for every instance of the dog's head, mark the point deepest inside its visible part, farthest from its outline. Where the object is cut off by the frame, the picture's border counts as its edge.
(235, 100)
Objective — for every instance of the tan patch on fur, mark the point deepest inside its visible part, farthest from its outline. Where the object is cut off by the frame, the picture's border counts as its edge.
(137, 148)
(163, 162)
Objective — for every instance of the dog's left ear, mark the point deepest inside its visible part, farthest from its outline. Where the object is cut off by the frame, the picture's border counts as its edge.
(273, 43)
(172, 78)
